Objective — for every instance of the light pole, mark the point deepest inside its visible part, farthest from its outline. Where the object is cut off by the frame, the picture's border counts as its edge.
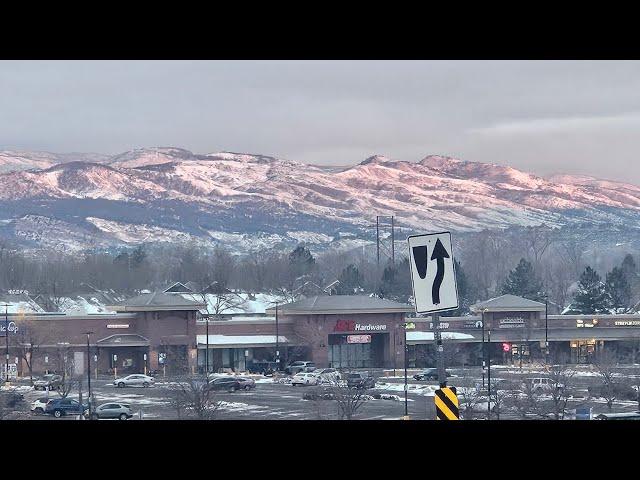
(489, 375)
(546, 330)
(406, 363)
(206, 357)
(89, 373)
(484, 355)
(6, 337)
(277, 341)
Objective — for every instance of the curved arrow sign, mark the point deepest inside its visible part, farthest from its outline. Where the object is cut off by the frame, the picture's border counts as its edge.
(432, 272)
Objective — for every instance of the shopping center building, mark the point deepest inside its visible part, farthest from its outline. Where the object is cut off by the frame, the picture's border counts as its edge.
(168, 332)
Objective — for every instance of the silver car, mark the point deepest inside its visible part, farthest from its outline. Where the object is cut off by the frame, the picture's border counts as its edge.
(135, 380)
(121, 411)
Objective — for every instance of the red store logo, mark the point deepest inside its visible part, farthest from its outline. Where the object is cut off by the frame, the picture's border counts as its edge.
(345, 326)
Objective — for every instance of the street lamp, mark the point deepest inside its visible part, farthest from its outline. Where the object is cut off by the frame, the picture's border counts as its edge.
(89, 373)
(6, 336)
(484, 355)
(277, 341)
(206, 357)
(489, 376)
(546, 329)
(407, 326)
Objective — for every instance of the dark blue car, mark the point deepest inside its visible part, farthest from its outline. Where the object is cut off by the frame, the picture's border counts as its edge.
(65, 406)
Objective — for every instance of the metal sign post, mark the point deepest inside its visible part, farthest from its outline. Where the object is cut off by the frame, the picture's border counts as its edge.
(435, 290)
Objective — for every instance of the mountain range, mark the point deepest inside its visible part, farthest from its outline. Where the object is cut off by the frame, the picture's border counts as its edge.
(72, 202)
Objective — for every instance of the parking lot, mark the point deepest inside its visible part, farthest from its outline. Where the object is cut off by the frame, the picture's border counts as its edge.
(272, 399)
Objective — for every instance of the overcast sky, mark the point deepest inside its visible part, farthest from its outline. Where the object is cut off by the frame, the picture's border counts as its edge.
(545, 117)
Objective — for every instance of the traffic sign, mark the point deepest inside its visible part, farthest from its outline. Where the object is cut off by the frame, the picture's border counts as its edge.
(447, 404)
(433, 275)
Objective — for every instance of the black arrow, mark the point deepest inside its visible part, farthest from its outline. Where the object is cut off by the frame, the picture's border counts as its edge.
(439, 254)
(420, 259)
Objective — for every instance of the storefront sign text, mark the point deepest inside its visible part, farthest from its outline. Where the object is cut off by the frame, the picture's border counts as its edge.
(358, 338)
(627, 323)
(512, 323)
(119, 325)
(13, 328)
(351, 326)
(441, 326)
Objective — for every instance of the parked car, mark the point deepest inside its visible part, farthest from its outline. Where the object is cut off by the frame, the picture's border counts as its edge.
(246, 383)
(430, 374)
(228, 384)
(360, 380)
(319, 393)
(618, 416)
(65, 406)
(618, 390)
(121, 411)
(327, 375)
(305, 378)
(542, 384)
(299, 366)
(265, 368)
(38, 406)
(48, 382)
(135, 380)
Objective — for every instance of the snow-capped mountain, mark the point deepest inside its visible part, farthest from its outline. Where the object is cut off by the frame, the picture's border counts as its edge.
(250, 201)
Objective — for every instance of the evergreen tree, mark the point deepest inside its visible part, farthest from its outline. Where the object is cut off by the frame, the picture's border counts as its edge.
(591, 296)
(523, 281)
(396, 282)
(350, 280)
(629, 269)
(618, 290)
(138, 256)
(301, 262)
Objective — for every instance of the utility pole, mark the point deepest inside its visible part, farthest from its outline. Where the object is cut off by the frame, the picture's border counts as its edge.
(378, 239)
(6, 337)
(393, 248)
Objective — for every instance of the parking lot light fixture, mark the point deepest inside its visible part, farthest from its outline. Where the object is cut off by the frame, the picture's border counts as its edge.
(89, 373)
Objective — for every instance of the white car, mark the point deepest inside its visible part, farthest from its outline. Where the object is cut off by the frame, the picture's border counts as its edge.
(304, 378)
(37, 406)
(327, 375)
(542, 384)
(135, 380)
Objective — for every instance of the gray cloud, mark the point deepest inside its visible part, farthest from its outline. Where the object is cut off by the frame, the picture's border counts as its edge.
(545, 117)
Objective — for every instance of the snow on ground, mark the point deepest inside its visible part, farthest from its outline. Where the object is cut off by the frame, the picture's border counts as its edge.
(310, 237)
(134, 399)
(239, 406)
(418, 389)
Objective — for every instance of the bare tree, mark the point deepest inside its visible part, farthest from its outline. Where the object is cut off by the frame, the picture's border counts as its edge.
(27, 341)
(605, 366)
(561, 377)
(193, 396)
(538, 239)
(349, 399)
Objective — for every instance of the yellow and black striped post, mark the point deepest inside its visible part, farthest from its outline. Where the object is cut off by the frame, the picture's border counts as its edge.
(447, 404)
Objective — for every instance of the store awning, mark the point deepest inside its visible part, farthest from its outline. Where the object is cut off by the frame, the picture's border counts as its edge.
(423, 337)
(241, 341)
